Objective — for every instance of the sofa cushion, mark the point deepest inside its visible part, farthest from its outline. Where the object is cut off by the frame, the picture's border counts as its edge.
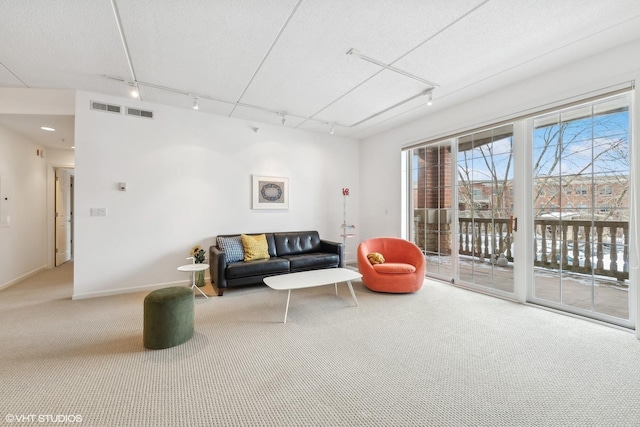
(232, 247)
(313, 260)
(297, 242)
(255, 247)
(260, 267)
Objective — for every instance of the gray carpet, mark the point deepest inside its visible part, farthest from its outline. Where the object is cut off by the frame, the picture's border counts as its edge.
(440, 357)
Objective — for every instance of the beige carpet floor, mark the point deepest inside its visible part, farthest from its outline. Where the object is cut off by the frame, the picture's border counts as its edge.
(443, 356)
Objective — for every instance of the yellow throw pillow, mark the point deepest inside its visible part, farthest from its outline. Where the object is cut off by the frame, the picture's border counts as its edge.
(375, 258)
(255, 247)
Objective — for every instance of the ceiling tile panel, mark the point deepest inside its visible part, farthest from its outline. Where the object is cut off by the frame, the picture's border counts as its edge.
(505, 33)
(61, 44)
(381, 92)
(308, 68)
(8, 80)
(206, 47)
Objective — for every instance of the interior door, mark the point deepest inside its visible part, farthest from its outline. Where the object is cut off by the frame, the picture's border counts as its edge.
(63, 216)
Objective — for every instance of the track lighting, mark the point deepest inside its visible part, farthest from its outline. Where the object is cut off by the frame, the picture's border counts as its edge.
(355, 53)
(133, 90)
(134, 85)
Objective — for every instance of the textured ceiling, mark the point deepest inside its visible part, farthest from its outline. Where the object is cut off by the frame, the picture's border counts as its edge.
(257, 59)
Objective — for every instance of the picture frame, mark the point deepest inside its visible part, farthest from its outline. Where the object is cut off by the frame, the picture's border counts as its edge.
(270, 192)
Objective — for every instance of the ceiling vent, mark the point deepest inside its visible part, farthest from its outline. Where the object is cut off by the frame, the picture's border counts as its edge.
(101, 106)
(139, 113)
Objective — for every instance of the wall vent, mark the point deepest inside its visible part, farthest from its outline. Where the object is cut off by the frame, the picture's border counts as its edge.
(139, 113)
(101, 106)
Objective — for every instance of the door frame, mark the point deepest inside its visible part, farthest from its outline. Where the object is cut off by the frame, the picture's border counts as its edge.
(51, 212)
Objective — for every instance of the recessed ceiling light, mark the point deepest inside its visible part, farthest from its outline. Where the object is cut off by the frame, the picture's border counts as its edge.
(48, 129)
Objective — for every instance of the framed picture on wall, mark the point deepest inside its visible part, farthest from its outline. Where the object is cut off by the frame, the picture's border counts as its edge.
(270, 192)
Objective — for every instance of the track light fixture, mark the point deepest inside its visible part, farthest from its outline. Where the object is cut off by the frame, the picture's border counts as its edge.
(282, 114)
(133, 90)
(355, 53)
(135, 84)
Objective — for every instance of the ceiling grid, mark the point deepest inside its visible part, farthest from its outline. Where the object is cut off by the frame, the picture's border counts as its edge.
(255, 60)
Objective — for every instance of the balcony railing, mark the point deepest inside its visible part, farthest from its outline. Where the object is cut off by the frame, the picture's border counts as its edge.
(598, 247)
(485, 237)
(570, 245)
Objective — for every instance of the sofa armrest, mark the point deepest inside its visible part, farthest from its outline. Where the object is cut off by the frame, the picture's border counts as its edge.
(217, 267)
(333, 248)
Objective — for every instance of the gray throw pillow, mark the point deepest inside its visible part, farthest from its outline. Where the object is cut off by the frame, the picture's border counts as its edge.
(232, 247)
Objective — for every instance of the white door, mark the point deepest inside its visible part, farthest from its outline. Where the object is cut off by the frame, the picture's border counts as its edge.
(63, 216)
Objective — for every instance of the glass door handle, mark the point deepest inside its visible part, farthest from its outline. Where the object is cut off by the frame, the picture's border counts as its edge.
(513, 224)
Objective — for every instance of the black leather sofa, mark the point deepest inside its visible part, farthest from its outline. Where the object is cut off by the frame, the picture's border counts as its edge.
(289, 252)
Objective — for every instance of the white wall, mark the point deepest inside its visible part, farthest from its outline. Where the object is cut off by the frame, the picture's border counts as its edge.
(380, 155)
(23, 183)
(59, 157)
(188, 178)
(37, 101)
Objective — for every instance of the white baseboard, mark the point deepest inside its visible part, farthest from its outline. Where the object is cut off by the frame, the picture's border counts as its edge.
(118, 291)
(21, 278)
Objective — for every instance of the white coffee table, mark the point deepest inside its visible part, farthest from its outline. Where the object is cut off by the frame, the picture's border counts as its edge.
(310, 279)
(192, 268)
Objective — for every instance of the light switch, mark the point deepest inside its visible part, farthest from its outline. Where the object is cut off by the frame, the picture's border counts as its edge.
(98, 212)
(122, 186)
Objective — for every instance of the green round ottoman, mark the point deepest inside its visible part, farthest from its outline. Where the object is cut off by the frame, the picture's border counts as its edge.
(168, 317)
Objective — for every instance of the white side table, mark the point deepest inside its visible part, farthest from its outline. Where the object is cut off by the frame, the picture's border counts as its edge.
(192, 268)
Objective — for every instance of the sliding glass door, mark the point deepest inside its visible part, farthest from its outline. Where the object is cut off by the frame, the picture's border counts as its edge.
(484, 189)
(581, 210)
(573, 192)
(431, 207)
(462, 209)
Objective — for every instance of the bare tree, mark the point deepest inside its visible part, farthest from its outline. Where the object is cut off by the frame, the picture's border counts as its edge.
(585, 151)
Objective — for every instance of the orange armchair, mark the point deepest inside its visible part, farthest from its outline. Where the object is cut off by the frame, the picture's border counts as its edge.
(403, 270)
